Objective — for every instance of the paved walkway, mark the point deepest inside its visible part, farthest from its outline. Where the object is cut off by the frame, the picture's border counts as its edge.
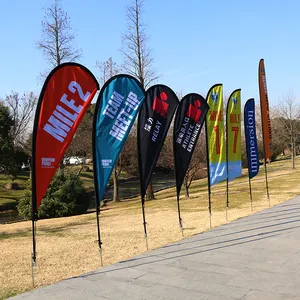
(256, 257)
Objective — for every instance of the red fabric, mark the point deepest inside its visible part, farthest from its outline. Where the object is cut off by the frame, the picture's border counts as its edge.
(52, 141)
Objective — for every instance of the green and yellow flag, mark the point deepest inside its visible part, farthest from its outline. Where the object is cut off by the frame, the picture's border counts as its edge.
(215, 135)
(233, 127)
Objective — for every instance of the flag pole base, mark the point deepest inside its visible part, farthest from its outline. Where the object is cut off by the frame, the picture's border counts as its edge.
(101, 259)
(210, 221)
(226, 213)
(146, 239)
(181, 227)
(33, 266)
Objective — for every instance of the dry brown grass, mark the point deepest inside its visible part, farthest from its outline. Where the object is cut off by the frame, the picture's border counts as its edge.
(67, 246)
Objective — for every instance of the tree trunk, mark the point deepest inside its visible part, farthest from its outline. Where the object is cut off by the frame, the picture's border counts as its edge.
(186, 188)
(293, 155)
(149, 192)
(116, 186)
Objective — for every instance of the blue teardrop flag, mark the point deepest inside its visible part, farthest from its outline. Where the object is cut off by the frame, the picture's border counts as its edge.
(117, 106)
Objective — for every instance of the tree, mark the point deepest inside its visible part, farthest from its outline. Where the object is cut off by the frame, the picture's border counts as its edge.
(11, 156)
(22, 110)
(197, 163)
(288, 114)
(6, 141)
(81, 144)
(138, 59)
(57, 37)
(66, 196)
(109, 69)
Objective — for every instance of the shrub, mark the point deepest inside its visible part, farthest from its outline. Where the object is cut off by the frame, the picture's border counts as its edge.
(24, 205)
(65, 196)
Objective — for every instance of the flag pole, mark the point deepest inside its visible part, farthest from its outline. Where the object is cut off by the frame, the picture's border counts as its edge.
(179, 214)
(208, 177)
(266, 176)
(250, 192)
(144, 221)
(263, 87)
(227, 181)
(33, 257)
(98, 229)
(97, 200)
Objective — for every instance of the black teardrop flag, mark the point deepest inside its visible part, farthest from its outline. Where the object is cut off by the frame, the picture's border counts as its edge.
(189, 119)
(154, 121)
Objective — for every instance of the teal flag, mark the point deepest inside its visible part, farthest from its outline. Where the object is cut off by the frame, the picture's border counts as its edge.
(117, 107)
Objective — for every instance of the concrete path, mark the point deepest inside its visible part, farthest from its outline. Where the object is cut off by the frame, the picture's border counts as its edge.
(257, 257)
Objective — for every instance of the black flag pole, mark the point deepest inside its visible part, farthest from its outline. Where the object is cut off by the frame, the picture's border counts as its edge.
(179, 214)
(250, 193)
(227, 181)
(33, 258)
(189, 119)
(141, 187)
(144, 221)
(264, 106)
(33, 183)
(97, 216)
(97, 200)
(266, 176)
(208, 177)
(154, 121)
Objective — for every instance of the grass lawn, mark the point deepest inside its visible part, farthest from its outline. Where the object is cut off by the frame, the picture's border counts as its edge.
(67, 246)
(12, 196)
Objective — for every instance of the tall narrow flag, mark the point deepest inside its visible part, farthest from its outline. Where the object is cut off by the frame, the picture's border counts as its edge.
(215, 135)
(117, 106)
(265, 119)
(265, 112)
(153, 124)
(251, 139)
(65, 96)
(233, 127)
(189, 119)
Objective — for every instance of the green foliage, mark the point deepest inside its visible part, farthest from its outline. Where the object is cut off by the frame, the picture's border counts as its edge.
(16, 158)
(65, 196)
(24, 205)
(6, 141)
(11, 159)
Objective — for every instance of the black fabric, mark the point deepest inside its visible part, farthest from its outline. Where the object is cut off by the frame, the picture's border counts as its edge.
(154, 121)
(189, 120)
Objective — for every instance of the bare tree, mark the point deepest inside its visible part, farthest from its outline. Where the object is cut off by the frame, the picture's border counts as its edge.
(21, 109)
(109, 69)
(138, 59)
(57, 38)
(288, 112)
(197, 163)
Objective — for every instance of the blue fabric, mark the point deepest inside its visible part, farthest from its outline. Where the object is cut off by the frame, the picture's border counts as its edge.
(251, 139)
(234, 169)
(218, 172)
(119, 104)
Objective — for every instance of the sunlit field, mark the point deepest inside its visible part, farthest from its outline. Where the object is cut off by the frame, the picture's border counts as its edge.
(67, 246)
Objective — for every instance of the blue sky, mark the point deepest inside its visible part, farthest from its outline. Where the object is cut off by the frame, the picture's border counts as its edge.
(196, 43)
